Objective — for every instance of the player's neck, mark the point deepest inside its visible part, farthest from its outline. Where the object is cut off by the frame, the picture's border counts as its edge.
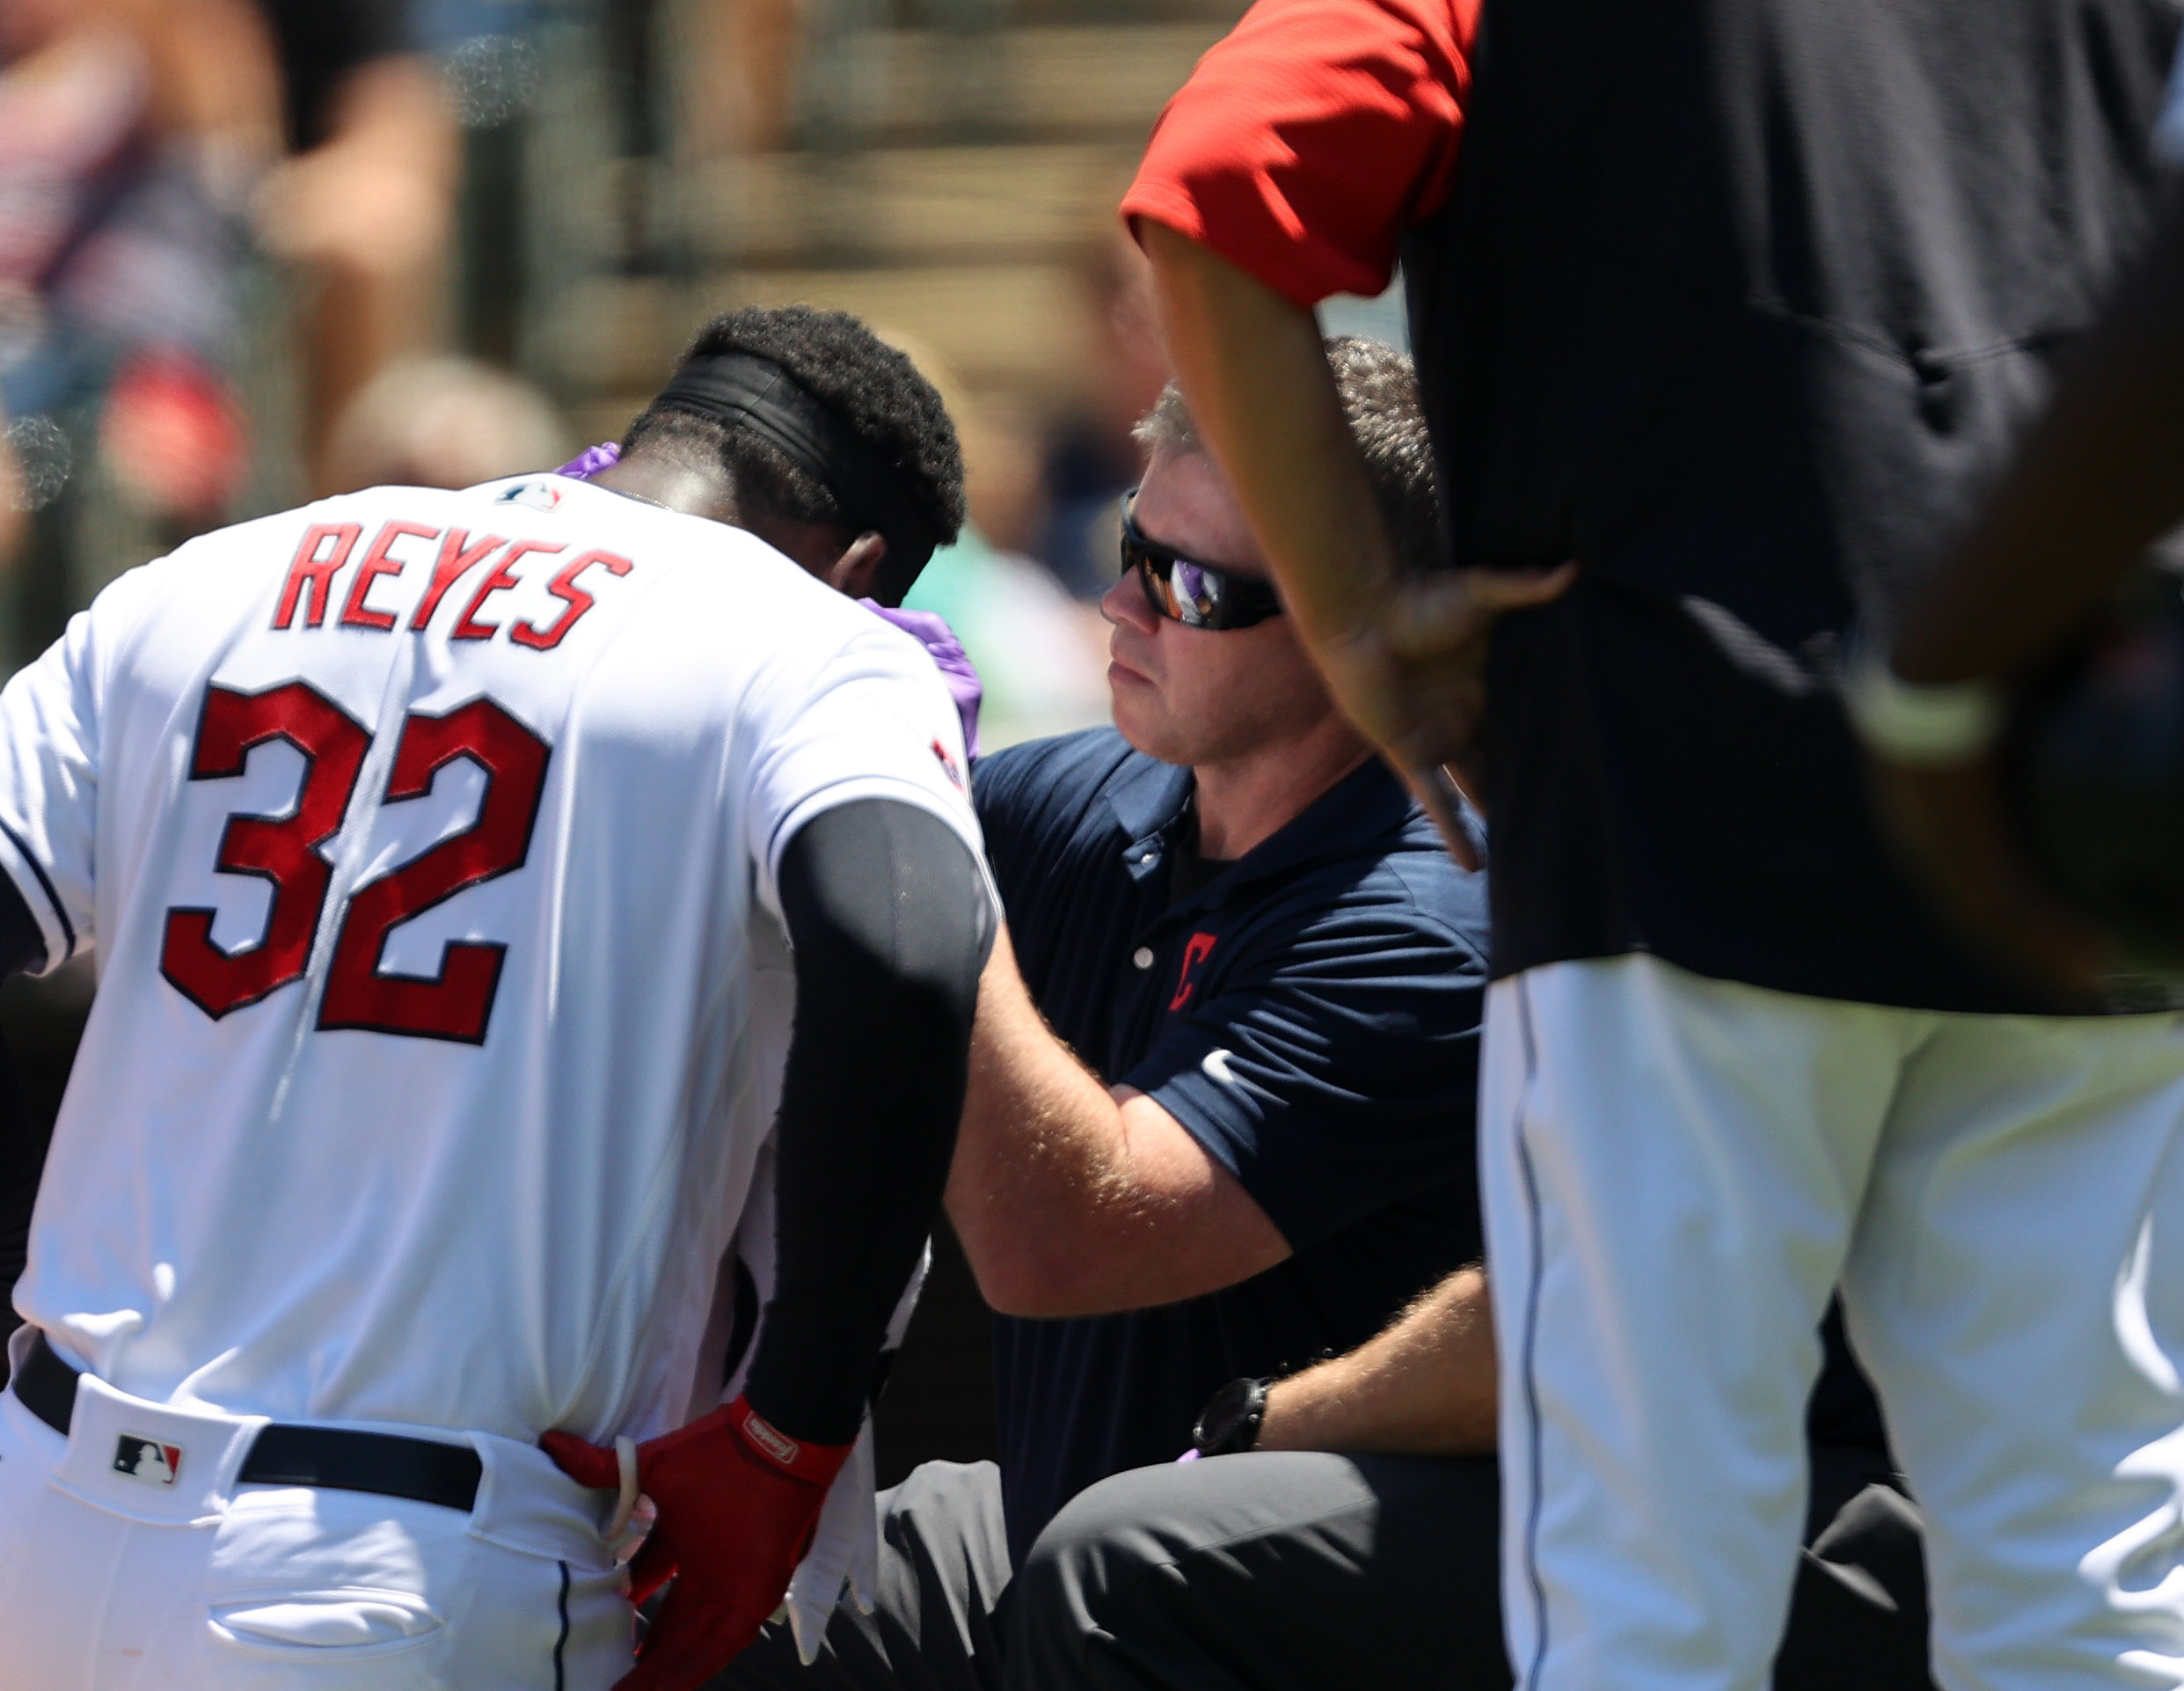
(675, 485)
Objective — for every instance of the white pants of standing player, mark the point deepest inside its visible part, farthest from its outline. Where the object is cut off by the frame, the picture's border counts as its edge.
(108, 1582)
(1676, 1172)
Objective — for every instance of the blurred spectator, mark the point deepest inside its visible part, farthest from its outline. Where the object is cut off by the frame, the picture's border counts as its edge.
(1042, 655)
(365, 203)
(441, 422)
(1003, 441)
(1091, 457)
(173, 437)
(121, 159)
(129, 132)
(747, 50)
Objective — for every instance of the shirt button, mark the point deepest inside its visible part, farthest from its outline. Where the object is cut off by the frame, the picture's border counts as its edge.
(1143, 957)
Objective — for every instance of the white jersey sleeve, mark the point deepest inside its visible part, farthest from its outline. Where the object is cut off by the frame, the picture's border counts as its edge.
(439, 1033)
(838, 722)
(49, 721)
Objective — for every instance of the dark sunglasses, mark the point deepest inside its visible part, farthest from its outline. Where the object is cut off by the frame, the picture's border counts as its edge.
(1196, 595)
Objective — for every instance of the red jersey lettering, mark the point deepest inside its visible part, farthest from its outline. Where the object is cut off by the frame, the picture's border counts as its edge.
(564, 587)
(469, 627)
(356, 613)
(326, 548)
(281, 849)
(457, 1002)
(458, 558)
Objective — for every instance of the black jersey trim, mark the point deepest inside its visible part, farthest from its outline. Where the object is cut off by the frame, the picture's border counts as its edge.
(52, 897)
(1537, 1267)
(561, 1643)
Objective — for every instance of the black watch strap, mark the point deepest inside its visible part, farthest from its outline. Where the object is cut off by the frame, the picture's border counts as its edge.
(1229, 1424)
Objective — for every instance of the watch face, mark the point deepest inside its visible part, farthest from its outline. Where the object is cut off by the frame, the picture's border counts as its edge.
(1230, 1418)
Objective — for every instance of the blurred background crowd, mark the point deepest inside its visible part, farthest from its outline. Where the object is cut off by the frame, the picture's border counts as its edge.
(257, 251)
(252, 251)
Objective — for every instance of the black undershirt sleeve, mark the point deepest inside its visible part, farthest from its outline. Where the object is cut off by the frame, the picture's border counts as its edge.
(22, 1145)
(888, 914)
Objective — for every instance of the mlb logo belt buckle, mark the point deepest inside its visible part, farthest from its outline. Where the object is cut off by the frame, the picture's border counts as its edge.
(147, 1460)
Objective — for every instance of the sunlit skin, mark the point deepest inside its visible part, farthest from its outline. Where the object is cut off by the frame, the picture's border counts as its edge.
(1071, 1198)
(1244, 707)
(1403, 649)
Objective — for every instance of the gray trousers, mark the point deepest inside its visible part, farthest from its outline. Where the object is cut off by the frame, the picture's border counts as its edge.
(1283, 1570)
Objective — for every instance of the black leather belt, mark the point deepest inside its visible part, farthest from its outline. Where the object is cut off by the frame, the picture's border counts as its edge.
(387, 1463)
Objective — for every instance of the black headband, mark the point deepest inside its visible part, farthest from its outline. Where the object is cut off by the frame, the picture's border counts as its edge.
(745, 390)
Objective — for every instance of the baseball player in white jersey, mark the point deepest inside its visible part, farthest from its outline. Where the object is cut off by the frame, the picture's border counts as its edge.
(438, 850)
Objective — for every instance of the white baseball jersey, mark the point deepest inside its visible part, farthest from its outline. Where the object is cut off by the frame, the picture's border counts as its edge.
(423, 837)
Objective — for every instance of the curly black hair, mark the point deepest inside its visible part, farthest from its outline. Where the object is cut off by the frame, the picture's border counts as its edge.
(864, 381)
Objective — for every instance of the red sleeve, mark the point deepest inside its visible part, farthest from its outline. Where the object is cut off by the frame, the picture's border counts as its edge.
(1315, 133)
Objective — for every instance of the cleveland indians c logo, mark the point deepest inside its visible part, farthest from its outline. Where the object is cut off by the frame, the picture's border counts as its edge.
(1197, 951)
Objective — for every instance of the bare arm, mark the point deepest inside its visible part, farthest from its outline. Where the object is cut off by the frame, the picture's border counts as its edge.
(1426, 1386)
(1074, 1199)
(1404, 655)
(374, 196)
(1253, 366)
(368, 211)
(214, 76)
(2096, 483)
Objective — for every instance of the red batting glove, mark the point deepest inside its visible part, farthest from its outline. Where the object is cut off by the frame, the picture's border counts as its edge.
(739, 1502)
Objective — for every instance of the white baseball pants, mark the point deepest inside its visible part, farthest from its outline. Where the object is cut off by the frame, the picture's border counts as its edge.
(1678, 1171)
(110, 1582)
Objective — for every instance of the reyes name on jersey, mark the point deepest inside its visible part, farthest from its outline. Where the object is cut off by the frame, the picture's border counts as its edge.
(427, 841)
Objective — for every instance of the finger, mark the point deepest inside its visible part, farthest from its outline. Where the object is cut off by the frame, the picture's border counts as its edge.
(1436, 612)
(1444, 736)
(1982, 875)
(587, 1464)
(1509, 589)
(1949, 823)
(2024, 922)
(1431, 613)
(1437, 794)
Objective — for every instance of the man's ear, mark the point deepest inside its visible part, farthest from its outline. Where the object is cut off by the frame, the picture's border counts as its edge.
(857, 571)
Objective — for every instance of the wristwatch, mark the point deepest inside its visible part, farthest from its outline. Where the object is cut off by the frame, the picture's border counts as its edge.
(1230, 1422)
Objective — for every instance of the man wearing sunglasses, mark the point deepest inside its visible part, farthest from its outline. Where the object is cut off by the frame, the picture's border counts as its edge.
(1254, 1148)
(1194, 594)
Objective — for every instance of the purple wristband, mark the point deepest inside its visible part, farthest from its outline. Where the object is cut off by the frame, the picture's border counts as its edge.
(591, 461)
(928, 630)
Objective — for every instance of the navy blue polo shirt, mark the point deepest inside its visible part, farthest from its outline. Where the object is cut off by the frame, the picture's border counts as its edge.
(1311, 1015)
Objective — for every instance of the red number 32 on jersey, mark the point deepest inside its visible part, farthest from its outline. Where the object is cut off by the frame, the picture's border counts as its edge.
(454, 1004)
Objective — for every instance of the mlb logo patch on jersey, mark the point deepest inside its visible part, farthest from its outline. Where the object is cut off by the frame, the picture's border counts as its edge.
(147, 1458)
(948, 766)
(539, 496)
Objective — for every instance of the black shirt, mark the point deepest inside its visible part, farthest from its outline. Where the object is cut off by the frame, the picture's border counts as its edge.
(1741, 303)
(1310, 1015)
(1190, 871)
